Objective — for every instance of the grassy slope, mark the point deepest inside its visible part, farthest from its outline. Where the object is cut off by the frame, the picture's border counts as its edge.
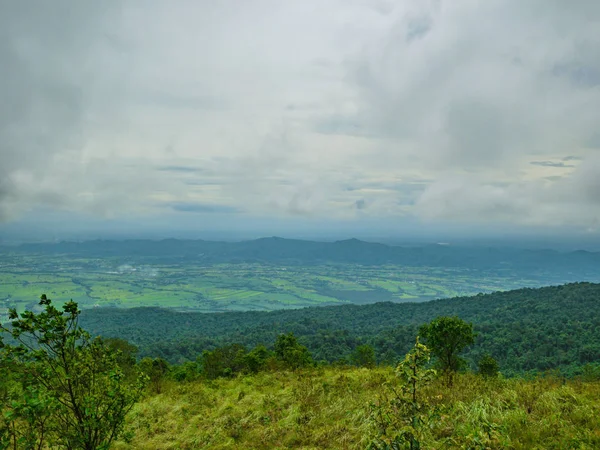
(328, 408)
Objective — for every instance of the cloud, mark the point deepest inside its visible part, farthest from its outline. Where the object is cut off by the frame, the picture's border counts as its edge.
(181, 169)
(468, 95)
(469, 104)
(551, 163)
(45, 52)
(437, 110)
(203, 208)
(569, 201)
(360, 204)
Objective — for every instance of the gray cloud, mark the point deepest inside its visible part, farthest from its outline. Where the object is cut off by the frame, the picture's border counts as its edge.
(360, 204)
(431, 109)
(594, 140)
(203, 208)
(585, 76)
(470, 95)
(45, 51)
(182, 169)
(339, 125)
(418, 28)
(551, 163)
(468, 104)
(572, 200)
(175, 101)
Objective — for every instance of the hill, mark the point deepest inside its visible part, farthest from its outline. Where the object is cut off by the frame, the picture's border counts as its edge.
(555, 327)
(354, 251)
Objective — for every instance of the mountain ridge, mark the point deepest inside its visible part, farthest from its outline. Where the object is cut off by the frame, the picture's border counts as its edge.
(277, 250)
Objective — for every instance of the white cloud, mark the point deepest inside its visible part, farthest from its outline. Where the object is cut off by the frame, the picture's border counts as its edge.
(435, 109)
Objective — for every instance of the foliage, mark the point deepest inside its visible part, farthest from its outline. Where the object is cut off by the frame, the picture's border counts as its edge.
(527, 330)
(291, 353)
(156, 369)
(590, 372)
(258, 359)
(447, 337)
(66, 389)
(403, 420)
(488, 366)
(224, 361)
(230, 360)
(363, 356)
(188, 371)
(125, 355)
(328, 408)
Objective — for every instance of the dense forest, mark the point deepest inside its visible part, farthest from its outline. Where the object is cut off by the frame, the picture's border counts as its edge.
(526, 330)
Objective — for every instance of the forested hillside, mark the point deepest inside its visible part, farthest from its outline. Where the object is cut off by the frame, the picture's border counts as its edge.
(555, 327)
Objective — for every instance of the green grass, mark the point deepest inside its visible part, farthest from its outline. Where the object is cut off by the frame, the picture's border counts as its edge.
(329, 409)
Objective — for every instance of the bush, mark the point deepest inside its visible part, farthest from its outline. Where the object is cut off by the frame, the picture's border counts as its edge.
(488, 366)
(67, 389)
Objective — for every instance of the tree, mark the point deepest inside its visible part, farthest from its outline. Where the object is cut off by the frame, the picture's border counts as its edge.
(256, 360)
(125, 353)
(404, 420)
(291, 353)
(488, 366)
(68, 390)
(363, 356)
(224, 361)
(447, 337)
(156, 370)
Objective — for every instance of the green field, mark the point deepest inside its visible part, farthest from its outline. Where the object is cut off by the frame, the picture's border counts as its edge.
(116, 282)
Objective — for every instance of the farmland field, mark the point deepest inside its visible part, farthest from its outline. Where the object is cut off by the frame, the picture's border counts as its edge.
(192, 285)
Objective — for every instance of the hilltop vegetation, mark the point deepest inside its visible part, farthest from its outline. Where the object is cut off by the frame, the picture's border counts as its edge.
(330, 409)
(527, 329)
(59, 387)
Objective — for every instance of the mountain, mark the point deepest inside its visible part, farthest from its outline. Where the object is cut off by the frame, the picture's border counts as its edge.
(352, 251)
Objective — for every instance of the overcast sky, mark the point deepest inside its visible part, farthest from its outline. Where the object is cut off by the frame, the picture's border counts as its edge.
(395, 115)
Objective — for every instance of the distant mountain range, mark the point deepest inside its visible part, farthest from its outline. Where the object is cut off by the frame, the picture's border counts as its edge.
(352, 251)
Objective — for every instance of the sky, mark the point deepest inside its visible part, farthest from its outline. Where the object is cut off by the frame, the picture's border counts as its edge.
(156, 117)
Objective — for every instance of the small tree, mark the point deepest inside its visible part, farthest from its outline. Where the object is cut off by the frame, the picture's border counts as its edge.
(488, 366)
(69, 390)
(403, 420)
(256, 359)
(125, 354)
(291, 353)
(156, 370)
(363, 356)
(447, 337)
(224, 361)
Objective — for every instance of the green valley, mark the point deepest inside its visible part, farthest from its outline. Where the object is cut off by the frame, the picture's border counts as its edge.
(270, 274)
